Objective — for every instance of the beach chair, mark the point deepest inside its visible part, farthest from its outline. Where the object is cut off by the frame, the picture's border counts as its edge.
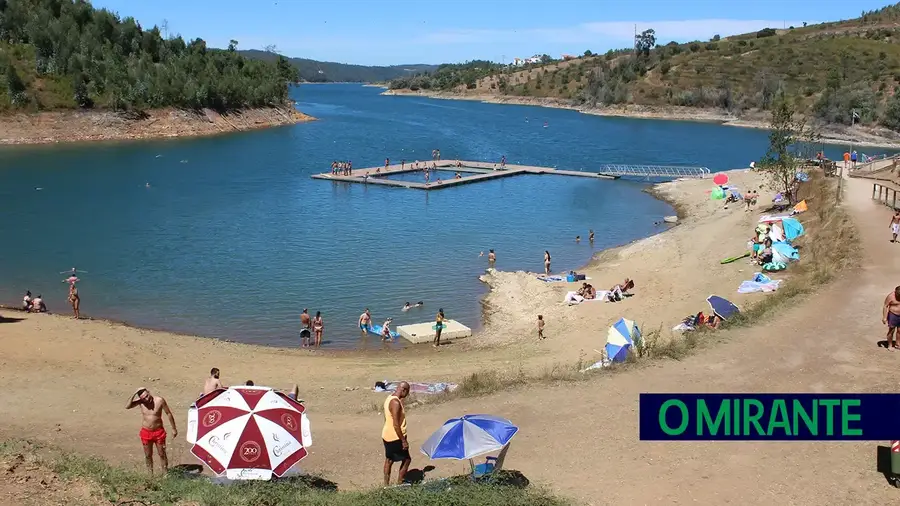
(490, 465)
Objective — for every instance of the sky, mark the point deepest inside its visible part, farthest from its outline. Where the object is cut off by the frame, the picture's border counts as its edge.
(396, 32)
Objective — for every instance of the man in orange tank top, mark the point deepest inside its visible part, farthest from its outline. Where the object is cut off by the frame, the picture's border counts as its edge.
(393, 434)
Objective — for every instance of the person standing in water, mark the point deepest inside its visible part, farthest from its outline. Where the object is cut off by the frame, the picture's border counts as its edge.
(75, 300)
(318, 327)
(546, 262)
(492, 259)
(591, 237)
(365, 321)
(305, 328)
(438, 327)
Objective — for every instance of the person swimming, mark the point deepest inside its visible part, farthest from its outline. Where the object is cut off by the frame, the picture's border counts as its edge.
(409, 306)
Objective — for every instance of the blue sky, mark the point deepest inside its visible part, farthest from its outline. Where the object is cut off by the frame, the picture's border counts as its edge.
(391, 32)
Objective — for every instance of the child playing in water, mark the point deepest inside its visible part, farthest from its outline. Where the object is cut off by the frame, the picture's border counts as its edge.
(540, 326)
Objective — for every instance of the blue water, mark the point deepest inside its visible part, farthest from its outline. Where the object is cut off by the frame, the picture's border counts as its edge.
(433, 175)
(233, 238)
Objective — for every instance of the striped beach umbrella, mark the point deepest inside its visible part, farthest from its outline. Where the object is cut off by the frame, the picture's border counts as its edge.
(620, 339)
(248, 432)
(468, 437)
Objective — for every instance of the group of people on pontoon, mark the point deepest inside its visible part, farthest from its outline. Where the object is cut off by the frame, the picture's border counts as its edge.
(342, 168)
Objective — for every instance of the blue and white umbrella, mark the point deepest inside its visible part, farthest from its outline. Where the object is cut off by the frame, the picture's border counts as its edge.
(468, 437)
(620, 339)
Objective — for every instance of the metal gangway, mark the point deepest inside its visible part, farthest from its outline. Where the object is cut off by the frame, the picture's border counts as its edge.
(667, 171)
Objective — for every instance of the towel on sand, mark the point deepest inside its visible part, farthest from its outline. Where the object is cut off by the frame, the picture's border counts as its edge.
(759, 283)
(417, 388)
(552, 279)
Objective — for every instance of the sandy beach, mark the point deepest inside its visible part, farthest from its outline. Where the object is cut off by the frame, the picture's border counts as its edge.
(66, 382)
(82, 126)
(831, 134)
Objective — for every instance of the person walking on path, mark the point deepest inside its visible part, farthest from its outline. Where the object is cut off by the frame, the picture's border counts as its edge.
(152, 430)
(75, 300)
(393, 434)
(540, 326)
(895, 225)
(318, 327)
(853, 158)
(546, 262)
(846, 159)
(305, 328)
(891, 317)
(438, 327)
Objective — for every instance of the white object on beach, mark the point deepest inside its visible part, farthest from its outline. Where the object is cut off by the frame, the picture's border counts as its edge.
(671, 219)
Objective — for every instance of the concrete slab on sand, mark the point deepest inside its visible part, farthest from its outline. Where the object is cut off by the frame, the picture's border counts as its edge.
(424, 332)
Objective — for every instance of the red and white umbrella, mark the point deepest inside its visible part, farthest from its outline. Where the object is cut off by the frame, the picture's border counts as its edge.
(248, 433)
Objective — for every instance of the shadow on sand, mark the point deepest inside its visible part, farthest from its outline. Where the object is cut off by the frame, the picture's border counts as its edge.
(883, 465)
(10, 320)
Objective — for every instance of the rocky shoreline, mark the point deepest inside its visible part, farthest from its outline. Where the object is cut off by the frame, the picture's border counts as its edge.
(831, 134)
(53, 127)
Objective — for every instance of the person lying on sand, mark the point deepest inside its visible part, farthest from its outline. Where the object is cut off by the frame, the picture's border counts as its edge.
(293, 394)
(590, 293)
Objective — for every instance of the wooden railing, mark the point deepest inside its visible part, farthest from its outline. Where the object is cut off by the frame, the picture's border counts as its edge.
(887, 195)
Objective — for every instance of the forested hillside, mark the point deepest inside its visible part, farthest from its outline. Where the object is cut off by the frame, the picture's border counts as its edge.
(314, 71)
(65, 54)
(831, 69)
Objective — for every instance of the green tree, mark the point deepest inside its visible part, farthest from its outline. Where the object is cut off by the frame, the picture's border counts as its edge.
(644, 42)
(891, 118)
(588, 53)
(14, 84)
(232, 45)
(787, 131)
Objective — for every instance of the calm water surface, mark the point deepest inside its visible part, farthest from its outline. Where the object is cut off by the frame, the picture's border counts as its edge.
(233, 238)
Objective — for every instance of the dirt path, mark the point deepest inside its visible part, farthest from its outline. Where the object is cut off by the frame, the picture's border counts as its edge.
(64, 382)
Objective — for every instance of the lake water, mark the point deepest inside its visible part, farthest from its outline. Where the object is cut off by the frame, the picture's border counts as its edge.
(233, 238)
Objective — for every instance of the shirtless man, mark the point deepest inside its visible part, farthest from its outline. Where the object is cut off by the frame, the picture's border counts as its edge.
(212, 382)
(152, 429)
(891, 317)
(895, 225)
(365, 321)
(305, 325)
(492, 259)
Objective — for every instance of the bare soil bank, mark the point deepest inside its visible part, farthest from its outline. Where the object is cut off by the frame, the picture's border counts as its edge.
(79, 126)
(831, 134)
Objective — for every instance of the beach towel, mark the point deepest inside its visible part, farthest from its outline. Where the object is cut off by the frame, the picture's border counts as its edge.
(770, 218)
(756, 286)
(792, 228)
(416, 388)
(552, 279)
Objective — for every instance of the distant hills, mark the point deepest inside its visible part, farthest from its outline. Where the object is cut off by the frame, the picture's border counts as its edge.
(330, 72)
(839, 72)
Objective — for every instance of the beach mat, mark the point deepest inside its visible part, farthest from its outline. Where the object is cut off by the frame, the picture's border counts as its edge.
(417, 388)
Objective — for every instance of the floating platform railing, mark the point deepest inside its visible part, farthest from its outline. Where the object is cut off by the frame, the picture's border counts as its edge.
(670, 171)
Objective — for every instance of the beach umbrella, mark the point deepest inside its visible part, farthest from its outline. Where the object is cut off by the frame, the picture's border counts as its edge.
(248, 433)
(722, 307)
(620, 339)
(468, 437)
(720, 179)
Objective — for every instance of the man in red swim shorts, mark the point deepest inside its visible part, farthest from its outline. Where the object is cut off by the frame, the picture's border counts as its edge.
(152, 430)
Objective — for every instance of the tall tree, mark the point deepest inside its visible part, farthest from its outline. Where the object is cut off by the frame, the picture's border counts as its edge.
(787, 134)
(644, 42)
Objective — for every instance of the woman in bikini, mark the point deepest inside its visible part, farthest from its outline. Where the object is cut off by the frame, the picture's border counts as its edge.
(75, 300)
(318, 326)
(546, 262)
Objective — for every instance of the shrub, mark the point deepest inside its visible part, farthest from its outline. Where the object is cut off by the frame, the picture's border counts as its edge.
(891, 118)
(694, 47)
(712, 46)
(716, 38)
(765, 32)
(665, 67)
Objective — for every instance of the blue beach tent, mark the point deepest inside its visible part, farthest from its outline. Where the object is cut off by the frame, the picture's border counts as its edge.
(784, 252)
(792, 229)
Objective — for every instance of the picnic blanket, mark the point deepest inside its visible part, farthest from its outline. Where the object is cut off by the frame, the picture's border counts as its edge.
(759, 283)
(416, 388)
(552, 279)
